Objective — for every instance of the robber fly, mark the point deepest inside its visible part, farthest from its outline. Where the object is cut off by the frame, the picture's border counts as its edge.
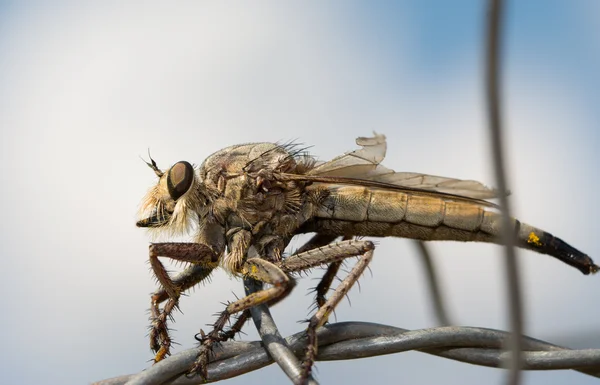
(256, 197)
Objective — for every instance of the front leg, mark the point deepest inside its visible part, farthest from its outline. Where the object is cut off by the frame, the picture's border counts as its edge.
(257, 269)
(204, 260)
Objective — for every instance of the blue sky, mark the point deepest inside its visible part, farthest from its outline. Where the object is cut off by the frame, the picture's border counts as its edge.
(88, 87)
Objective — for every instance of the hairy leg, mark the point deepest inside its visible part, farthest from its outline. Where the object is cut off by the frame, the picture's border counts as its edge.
(332, 253)
(254, 268)
(327, 279)
(204, 261)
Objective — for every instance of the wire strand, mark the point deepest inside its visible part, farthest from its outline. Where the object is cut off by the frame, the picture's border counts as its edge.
(351, 340)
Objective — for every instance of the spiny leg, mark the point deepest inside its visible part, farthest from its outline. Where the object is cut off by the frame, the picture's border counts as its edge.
(188, 278)
(315, 241)
(318, 240)
(325, 283)
(327, 279)
(204, 257)
(266, 326)
(237, 326)
(241, 320)
(260, 270)
(335, 252)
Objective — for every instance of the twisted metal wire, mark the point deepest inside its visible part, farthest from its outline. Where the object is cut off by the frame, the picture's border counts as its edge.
(351, 340)
(277, 347)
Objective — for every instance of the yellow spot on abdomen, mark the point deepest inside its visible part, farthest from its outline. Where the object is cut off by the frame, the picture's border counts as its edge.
(534, 239)
(254, 269)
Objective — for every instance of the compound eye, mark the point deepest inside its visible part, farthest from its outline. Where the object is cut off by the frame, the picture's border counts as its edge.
(179, 179)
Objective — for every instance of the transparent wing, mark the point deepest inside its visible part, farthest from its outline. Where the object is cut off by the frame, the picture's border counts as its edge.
(357, 163)
(364, 164)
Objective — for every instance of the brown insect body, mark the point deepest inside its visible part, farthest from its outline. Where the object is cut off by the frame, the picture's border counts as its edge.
(251, 202)
(261, 195)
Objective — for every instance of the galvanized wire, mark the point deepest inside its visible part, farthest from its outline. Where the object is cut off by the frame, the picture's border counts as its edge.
(351, 340)
(274, 343)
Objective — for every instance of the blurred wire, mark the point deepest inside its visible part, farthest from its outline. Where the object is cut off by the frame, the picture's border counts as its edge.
(350, 340)
(493, 62)
(433, 285)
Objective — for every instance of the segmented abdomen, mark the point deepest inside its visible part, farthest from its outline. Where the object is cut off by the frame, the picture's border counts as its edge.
(364, 211)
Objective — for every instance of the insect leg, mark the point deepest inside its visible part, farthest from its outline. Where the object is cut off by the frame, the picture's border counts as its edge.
(335, 252)
(327, 279)
(188, 278)
(316, 241)
(237, 326)
(267, 329)
(254, 268)
(320, 240)
(205, 261)
(325, 283)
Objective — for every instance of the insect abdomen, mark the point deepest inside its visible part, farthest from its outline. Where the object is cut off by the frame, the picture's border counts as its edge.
(362, 211)
(362, 204)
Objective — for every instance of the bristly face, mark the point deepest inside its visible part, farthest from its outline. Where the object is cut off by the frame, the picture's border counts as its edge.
(173, 203)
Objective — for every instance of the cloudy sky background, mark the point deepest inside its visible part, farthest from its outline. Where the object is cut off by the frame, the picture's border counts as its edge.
(85, 89)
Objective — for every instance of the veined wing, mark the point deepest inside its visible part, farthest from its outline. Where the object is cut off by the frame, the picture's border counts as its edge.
(332, 181)
(357, 163)
(364, 164)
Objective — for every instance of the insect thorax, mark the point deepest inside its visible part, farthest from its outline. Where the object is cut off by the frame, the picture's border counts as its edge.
(252, 196)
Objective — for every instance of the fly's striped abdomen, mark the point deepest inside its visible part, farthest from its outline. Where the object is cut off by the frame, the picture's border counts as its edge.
(364, 211)
(360, 204)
